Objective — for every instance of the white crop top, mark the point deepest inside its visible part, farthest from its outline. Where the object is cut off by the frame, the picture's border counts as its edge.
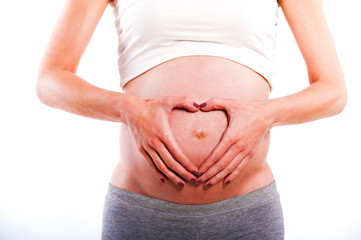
(151, 32)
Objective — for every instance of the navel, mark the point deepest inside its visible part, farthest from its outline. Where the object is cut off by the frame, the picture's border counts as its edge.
(199, 134)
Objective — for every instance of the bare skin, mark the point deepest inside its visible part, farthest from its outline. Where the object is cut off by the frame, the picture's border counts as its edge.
(164, 149)
(197, 133)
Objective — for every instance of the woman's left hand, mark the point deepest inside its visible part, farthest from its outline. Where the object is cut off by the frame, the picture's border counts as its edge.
(248, 123)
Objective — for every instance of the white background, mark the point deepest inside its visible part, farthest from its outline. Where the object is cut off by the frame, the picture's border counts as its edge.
(55, 166)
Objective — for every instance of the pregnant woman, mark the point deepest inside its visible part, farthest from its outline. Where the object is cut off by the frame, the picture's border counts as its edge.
(195, 110)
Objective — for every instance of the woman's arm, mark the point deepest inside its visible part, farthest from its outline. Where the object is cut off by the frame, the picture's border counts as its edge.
(326, 95)
(58, 86)
(249, 122)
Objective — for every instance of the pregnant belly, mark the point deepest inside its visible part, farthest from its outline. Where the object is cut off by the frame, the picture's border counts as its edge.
(198, 133)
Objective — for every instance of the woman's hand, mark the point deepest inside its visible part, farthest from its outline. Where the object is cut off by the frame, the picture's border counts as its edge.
(148, 123)
(248, 123)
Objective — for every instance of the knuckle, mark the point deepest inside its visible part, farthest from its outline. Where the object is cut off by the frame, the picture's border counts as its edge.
(230, 168)
(162, 168)
(153, 141)
(222, 164)
(212, 101)
(252, 153)
(246, 160)
(166, 100)
(236, 171)
(241, 145)
(147, 149)
(229, 138)
(210, 161)
(170, 164)
(217, 156)
(166, 136)
(185, 101)
(218, 177)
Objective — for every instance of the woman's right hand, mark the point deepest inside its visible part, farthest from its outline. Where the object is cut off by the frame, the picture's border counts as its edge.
(148, 123)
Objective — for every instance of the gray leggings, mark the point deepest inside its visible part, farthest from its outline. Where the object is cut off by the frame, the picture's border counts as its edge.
(256, 216)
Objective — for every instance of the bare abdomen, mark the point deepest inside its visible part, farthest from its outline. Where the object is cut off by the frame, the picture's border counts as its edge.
(199, 77)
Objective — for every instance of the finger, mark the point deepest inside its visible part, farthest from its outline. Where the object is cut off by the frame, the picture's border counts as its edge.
(183, 102)
(221, 148)
(158, 173)
(173, 147)
(163, 167)
(222, 164)
(237, 170)
(229, 169)
(215, 103)
(174, 165)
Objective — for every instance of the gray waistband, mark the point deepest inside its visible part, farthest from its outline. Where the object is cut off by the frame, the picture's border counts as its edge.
(254, 199)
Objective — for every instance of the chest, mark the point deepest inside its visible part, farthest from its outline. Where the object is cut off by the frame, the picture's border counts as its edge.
(196, 20)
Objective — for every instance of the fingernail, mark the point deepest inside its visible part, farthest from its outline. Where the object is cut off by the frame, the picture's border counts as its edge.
(199, 181)
(203, 105)
(209, 185)
(193, 180)
(227, 182)
(163, 180)
(181, 185)
(196, 105)
(195, 173)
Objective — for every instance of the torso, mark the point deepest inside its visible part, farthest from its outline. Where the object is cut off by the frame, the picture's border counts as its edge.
(200, 77)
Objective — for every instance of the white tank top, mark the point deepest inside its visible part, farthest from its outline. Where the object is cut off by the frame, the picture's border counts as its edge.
(151, 32)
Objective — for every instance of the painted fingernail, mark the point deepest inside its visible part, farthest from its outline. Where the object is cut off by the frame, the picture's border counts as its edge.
(193, 180)
(163, 180)
(181, 185)
(203, 105)
(209, 185)
(199, 181)
(227, 182)
(196, 105)
(195, 173)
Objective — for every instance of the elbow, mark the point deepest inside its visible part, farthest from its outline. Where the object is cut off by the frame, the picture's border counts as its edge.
(43, 88)
(342, 103)
(340, 100)
(40, 84)
(40, 89)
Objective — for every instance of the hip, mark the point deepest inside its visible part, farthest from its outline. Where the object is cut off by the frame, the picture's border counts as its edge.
(254, 215)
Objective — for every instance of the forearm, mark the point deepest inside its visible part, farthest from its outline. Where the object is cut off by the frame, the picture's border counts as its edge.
(319, 100)
(64, 90)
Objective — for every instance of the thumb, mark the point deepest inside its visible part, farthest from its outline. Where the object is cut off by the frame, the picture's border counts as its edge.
(212, 104)
(185, 102)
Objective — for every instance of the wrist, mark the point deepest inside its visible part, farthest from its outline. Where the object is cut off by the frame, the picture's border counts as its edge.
(127, 106)
(273, 110)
